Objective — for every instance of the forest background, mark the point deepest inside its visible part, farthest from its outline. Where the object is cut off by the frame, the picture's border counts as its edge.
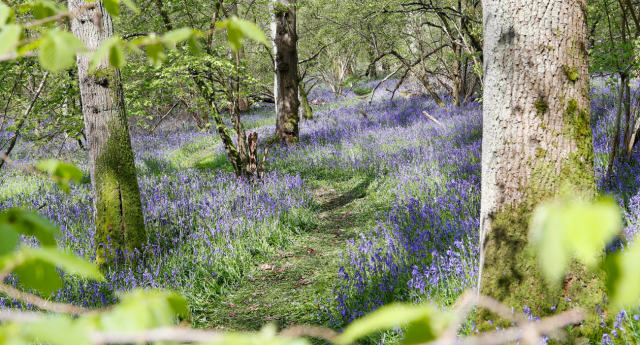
(383, 75)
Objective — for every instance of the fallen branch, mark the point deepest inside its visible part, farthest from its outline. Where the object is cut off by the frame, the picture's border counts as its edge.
(432, 119)
(165, 115)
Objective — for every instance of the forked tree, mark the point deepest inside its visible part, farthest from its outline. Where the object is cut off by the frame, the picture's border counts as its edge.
(537, 145)
(285, 40)
(117, 206)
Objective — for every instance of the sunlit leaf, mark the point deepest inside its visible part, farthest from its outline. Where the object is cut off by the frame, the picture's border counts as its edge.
(623, 277)
(39, 275)
(131, 6)
(70, 263)
(45, 9)
(156, 54)
(104, 49)
(252, 31)
(234, 37)
(64, 173)
(30, 224)
(176, 36)
(9, 37)
(562, 229)
(423, 323)
(58, 49)
(140, 310)
(7, 16)
(112, 7)
(116, 56)
(9, 239)
(58, 331)
(194, 46)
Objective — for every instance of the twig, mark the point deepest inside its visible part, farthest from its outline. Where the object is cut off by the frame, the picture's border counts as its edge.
(23, 119)
(382, 81)
(39, 302)
(309, 331)
(20, 316)
(432, 119)
(183, 335)
(60, 16)
(165, 115)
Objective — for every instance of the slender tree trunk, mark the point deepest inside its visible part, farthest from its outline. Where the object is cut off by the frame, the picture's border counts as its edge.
(455, 77)
(285, 41)
(305, 107)
(627, 113)
(615, 145)
(117, 207)
(536, 146)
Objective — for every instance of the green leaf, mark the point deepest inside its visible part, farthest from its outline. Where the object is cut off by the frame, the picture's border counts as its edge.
(68, 262)
(9, 239)
(9, 37)
(56, 330)
(424, 323)
(560, 230)
(7, 16)
(112, 7)
(29, 47)
(104, 49)
(176, 36)
(140, 310)
(39, 275)
(62, 172)
(623, 279)
(131, 6)
(45, 9)
(234, 37)
(156, 55)
(30, 224)
(58, 49)
(250, 30)
(116, 56)
(194, 46)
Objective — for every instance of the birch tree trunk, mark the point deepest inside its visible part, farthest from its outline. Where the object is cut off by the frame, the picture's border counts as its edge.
(117, 207)
(285, 39)
(537, 145)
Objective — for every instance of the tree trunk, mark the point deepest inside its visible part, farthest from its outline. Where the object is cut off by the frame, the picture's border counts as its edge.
(455, 75)
(116, 196)
(537, 145)
(285, 41)
(305, 108)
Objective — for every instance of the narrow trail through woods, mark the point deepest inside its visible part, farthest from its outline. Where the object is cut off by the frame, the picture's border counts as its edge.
(284, 288)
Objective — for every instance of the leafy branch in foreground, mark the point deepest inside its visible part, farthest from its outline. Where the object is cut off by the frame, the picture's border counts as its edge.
(56, 48)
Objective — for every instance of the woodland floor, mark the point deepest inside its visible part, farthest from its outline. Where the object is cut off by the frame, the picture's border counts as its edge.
(282, 289)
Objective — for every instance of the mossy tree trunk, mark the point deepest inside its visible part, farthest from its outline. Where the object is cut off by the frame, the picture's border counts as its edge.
(537, 145)
(305, 108)
(117, 206)
(285, 40)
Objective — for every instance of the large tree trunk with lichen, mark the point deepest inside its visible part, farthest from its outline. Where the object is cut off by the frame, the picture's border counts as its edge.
(117, 207)
(537, 145)
(285, 39)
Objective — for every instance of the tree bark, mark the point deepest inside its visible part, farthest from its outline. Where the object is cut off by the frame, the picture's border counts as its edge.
(305, 108)
(119, 223)
(285, 41)
(537, 145)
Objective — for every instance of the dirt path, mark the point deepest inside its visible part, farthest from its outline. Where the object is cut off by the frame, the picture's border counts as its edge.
(283, 289)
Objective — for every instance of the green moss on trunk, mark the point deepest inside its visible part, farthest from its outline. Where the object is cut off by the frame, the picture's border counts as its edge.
(512, 275)
(511, 272)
